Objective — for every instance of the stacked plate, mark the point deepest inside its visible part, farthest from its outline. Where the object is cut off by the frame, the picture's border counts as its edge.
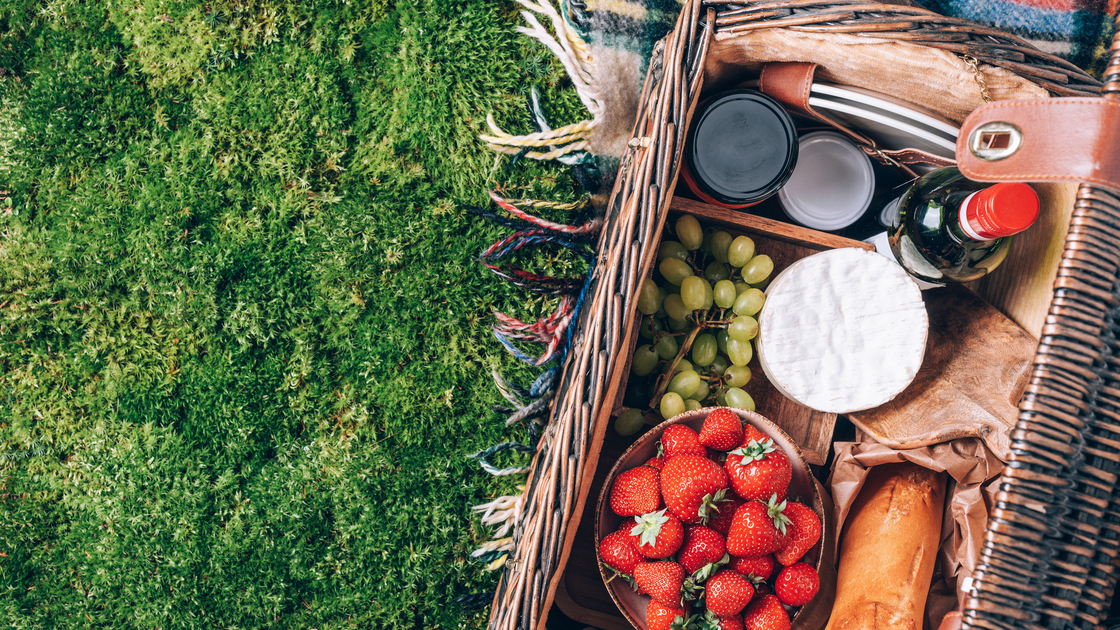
(891, 122)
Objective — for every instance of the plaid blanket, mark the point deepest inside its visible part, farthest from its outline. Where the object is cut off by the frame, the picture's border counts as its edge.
(1078, 31)
(606, 44)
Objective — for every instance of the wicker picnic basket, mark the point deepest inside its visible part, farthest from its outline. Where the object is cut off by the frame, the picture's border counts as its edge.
(1052, 546)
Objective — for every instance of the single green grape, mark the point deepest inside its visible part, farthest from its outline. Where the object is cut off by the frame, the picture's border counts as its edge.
(721, 397)
(682, 365)
(666, 347)
(719, 245)
(694, 292)
(715, 272)
(758, 269)
(648, 328)
(671, 248)
(737, 375)
(701, 392)
(685, 383)
(675, 325)
(740, 287)
(740, 251)
(740, 352)
(629, 422)
(724, 293)
(649, 297)
(674, 270)
(749, 302)
(743, 328)
(644, 360)
(704, 349)
(761, 286)
(689, 232)
(709, 296)
(675, 308)
(721, 340)
(719, 365)
(671, 405)
(740, 399)
(693, 405)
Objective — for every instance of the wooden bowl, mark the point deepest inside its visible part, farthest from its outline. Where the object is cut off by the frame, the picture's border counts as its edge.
(802, 486)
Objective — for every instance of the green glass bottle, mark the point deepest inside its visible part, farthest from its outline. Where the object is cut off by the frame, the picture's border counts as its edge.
(949, 228)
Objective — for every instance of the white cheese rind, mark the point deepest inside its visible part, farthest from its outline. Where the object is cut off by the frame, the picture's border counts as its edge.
(842, 330)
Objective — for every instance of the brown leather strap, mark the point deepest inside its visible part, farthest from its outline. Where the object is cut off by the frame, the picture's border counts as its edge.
(909, 157)
(789, 83)
(1063, 140)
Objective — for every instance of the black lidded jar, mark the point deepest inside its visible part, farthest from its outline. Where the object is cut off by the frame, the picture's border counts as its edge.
(741, 148)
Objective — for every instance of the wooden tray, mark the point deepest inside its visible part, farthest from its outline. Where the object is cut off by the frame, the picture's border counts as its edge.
(785, 244)
(580, 594)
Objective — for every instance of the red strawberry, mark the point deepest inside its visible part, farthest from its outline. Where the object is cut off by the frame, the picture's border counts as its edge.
(712, 622)
(660, 617)
(657, 534)
(765, 613)
(750, 432)
(757, 529)
(619, 553)
(656, 462)
(678, 439)
(759, 471)
(691, 486)
(702, 551)
(804, 532)
(727, 593)
(758, 568)
(636, 491)
(721, 522)
(797, 584)
(662, 581)
(722, 430)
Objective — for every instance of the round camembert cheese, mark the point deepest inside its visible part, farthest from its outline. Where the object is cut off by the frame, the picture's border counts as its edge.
(842, 330)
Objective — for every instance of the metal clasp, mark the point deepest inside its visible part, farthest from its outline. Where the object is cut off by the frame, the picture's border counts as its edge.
(995, 141)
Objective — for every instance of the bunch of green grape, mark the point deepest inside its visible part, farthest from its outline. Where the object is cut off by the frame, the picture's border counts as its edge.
(699, 321)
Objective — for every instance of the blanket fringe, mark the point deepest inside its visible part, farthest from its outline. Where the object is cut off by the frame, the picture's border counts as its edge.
(574, 54)
(503, 512)
(482, 456)
(567, 145)
(569, 47)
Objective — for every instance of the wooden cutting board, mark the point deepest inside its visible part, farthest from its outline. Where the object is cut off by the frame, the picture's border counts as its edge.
(975, 370)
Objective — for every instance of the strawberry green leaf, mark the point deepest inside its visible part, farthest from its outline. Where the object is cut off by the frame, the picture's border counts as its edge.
(648, 527)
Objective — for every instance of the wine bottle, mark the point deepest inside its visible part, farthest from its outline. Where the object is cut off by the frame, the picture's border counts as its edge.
(948, 228)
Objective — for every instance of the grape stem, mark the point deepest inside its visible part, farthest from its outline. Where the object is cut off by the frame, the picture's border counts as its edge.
(663, 380)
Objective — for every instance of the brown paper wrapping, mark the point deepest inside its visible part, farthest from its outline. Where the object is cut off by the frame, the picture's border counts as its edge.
(973, 470)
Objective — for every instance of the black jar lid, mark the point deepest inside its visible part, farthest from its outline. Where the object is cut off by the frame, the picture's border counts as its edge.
(741, 147)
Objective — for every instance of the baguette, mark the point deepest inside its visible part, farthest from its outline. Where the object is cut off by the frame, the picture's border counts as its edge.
(888, 550)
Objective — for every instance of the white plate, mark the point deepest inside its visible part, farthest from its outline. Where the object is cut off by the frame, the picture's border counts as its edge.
(894, 107)
(887, 132)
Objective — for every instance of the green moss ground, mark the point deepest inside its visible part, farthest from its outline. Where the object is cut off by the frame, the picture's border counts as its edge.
(244, 338)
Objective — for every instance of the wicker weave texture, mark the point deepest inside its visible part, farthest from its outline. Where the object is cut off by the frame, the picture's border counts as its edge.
(1051, 554)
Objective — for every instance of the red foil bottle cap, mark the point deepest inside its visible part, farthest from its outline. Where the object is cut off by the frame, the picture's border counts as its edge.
(1002, 210)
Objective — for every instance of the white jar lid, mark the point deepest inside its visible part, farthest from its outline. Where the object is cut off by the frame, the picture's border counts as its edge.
(831, 185)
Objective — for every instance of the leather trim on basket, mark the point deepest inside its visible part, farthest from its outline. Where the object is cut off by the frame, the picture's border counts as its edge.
(788, 82)
(1064, 140)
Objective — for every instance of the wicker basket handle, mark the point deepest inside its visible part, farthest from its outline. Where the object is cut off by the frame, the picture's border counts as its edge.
(1043, 140)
